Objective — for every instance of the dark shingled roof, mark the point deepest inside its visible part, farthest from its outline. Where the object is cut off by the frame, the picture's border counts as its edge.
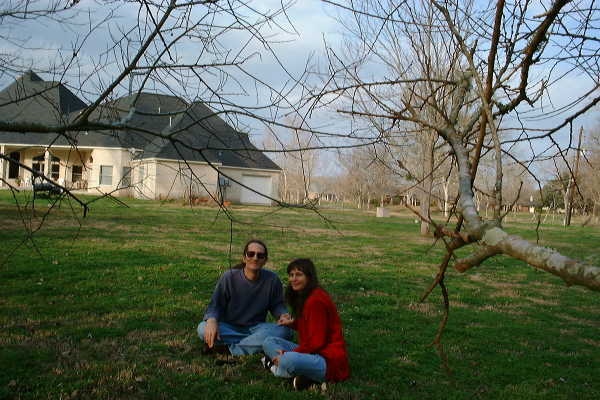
(193, 125)
(31, 99)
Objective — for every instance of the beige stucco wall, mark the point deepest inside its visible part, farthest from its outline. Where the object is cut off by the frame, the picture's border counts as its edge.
(169, 179)
(144, 182)
(162, 178)
(180, 180)
(233, 192)
(117, 158)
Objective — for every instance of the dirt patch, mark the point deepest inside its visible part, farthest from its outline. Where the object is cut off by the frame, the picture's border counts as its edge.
(376, 293)
(460, 304)
(505, 293)
(511, 309)
(477, 277)
(545, 291)
(404, 360)
(180, 366)
(424, 308)
(504, 285)
(154, 335)
(579, 321)
(542, 301)
(591, 342)
(568, 332)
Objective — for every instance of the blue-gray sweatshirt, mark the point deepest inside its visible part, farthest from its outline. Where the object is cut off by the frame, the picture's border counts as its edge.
(239, 301)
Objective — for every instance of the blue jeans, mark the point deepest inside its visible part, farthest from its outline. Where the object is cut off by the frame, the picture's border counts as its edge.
(312, 366)
(243, 340)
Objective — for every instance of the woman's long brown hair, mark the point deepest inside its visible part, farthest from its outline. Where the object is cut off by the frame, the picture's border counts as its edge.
(296, 299)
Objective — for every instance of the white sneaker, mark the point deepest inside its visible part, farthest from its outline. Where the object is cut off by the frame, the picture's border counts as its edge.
(266, 362)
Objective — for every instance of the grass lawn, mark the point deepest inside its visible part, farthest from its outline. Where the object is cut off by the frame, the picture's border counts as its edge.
(107, 307)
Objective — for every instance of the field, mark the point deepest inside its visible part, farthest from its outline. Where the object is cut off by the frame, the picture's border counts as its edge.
(107, 306)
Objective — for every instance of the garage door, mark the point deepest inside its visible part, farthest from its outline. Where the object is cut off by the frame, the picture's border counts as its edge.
(261, 184)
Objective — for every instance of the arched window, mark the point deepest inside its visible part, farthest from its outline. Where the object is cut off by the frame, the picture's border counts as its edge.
(55, 168)
(38, 164)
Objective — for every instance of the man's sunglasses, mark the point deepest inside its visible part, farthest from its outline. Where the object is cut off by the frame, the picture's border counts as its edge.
(260, 256)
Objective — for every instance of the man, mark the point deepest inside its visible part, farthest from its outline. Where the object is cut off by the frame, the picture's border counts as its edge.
(235, 318)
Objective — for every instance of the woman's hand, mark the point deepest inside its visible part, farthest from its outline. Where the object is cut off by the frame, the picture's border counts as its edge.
(285, 320)
(211, 332)
(276, 359)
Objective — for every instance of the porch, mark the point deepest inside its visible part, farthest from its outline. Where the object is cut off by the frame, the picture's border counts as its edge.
(67, 167)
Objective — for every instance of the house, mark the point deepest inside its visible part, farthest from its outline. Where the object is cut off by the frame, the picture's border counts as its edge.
(203, 157)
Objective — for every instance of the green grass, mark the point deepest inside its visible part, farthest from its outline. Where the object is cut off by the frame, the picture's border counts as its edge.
(107, 307)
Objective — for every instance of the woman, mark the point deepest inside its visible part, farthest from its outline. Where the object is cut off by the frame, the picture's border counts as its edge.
(321, 355)
(235, 319)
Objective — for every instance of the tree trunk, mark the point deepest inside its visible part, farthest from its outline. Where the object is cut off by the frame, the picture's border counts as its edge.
(446, 187)
(567, 201)
(427, 185)
(572, 182)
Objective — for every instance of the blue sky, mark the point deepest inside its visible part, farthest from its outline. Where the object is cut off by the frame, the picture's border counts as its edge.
(311, 23)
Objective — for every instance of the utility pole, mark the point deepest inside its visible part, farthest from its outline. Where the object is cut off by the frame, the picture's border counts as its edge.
(572, 184)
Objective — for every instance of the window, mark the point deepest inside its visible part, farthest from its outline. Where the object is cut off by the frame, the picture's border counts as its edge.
(38, 164)
(106, 172)
(126, 179)
(76, 173)
(13, 167)
(55, 168)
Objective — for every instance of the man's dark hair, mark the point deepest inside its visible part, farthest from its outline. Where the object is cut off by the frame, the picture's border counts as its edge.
(242, 265)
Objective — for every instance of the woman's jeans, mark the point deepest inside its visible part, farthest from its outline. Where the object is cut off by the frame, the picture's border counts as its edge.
(243, 340)
(311, 366)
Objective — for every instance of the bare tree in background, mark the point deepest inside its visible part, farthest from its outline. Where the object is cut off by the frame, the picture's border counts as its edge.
(497, 90)
(590, 179)
(299, 158)
(508, 79)
(461, 85)
(369, 173)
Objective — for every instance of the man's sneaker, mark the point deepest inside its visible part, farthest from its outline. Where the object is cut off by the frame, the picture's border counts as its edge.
(206, 350)
(266, 363)
(301, 383)
(216, 349)
(221, 349)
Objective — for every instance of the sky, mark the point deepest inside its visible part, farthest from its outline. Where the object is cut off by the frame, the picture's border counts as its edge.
(306, 25)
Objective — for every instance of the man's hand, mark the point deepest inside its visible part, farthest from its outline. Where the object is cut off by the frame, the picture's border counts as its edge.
(285, 320)
(211, 332)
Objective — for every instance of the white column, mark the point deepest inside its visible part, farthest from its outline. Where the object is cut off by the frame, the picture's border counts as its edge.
(47, 163)
(2, 165)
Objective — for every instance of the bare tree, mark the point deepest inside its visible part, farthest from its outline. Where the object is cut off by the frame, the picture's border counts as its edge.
(492, 80)
(299, 158)
(485, 82)
(474, 80)
(198, 52)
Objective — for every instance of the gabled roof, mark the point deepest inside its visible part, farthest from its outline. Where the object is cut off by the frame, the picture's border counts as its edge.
(31, 99)
(190, 125)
